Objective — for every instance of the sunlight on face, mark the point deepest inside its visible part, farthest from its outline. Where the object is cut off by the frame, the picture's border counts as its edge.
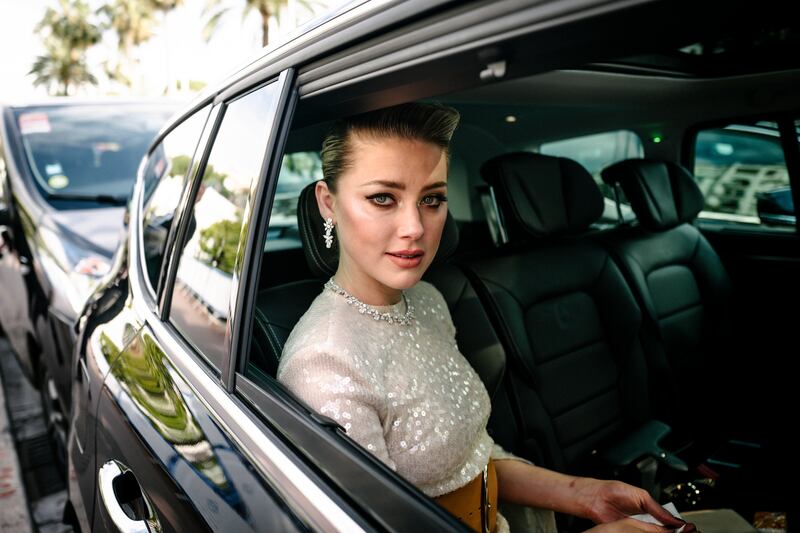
(389, 209)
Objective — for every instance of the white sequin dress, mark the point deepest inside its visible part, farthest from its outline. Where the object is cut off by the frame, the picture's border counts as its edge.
(405, 393)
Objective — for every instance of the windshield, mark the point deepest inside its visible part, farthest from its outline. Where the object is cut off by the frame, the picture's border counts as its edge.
(88, 151)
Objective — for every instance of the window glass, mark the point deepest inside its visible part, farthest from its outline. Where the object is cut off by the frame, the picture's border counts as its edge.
(164, 178)
(738, 166)
(202, 290)
(298, 169)
(596, 152)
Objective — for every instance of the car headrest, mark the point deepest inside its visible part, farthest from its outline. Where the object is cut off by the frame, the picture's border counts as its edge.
(324, 261)
(662, 194)
(543, 195)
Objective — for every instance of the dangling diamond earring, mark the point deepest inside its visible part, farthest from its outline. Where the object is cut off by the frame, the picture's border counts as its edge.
(328, 236)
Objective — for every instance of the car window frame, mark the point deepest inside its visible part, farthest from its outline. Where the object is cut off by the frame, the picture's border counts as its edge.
(790, 145)
(223, 372)
(153, 294)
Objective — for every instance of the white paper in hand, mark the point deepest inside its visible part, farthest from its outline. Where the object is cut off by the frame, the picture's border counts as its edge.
(650, 520)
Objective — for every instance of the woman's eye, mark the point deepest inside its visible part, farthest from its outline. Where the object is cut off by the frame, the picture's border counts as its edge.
(434, 200)
(381, 199)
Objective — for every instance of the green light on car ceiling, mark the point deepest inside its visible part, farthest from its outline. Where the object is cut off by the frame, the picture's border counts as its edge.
(657, 139)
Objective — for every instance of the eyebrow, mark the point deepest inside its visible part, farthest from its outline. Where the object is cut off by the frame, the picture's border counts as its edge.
(402, 186)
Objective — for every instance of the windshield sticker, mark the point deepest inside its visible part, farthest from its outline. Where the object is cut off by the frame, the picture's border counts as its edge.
(55, 168)
(59, 181)
(34, 123)
(106, 147)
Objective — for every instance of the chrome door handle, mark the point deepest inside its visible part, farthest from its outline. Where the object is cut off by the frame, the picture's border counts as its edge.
(113, 475)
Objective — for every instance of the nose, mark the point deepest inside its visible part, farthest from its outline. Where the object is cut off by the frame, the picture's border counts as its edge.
(410, 223)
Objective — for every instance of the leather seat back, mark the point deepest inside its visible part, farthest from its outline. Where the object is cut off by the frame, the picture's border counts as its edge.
(568, 320)
(679, 280)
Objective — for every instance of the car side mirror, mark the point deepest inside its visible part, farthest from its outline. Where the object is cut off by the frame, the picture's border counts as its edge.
(776, 207)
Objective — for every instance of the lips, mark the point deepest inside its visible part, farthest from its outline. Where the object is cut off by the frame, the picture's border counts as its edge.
(406, 258)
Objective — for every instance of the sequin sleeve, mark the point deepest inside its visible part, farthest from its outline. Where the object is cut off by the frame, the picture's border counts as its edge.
(330, 381)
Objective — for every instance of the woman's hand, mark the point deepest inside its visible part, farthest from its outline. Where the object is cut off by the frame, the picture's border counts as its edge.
(607, 501)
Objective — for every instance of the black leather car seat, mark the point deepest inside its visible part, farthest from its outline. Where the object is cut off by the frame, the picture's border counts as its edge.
(565, 314)
(681, 285)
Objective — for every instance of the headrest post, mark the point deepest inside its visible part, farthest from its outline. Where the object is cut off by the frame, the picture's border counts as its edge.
(501, 225)
(620, 218)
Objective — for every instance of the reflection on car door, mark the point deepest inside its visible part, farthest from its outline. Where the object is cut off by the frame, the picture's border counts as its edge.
(182, 464)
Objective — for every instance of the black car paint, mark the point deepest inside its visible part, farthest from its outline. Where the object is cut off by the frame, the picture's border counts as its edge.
(40, 242)
(133, 407)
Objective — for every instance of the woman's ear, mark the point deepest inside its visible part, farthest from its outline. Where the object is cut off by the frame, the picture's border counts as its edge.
(325, 200)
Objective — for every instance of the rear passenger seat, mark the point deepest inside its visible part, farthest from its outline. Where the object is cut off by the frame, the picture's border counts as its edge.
(565, 314)
(682, 288)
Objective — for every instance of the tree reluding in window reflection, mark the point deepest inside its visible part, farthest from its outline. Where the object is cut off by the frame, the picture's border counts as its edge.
(219, 242)
(180, 165)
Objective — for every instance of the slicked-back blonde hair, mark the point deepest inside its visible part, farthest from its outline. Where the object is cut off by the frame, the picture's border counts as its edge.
(432, 123)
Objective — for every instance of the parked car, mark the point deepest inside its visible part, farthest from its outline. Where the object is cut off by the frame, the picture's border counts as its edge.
(178, 422)
(67, 169)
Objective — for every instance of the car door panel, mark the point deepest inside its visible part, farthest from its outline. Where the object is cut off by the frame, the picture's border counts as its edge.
(150, 420)
(109, 325)
(763, 266)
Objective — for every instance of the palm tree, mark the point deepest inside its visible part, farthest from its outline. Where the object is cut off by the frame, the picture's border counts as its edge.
(68, 33)
(133, 21)
(216, 9)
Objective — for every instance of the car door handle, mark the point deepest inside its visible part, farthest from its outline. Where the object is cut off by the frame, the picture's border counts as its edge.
(122, 497)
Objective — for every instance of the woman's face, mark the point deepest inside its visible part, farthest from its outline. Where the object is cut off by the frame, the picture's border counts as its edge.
(389, 209)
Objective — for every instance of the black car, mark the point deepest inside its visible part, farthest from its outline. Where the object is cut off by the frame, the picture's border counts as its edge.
(67, 170)
(589, 331)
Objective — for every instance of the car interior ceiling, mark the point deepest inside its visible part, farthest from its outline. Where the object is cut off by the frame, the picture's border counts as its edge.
(548, 107)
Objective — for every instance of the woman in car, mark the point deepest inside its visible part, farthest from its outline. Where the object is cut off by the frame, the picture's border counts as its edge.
(376, 350)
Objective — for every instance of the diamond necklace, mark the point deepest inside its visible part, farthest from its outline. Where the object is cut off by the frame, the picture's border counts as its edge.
(404, 319)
